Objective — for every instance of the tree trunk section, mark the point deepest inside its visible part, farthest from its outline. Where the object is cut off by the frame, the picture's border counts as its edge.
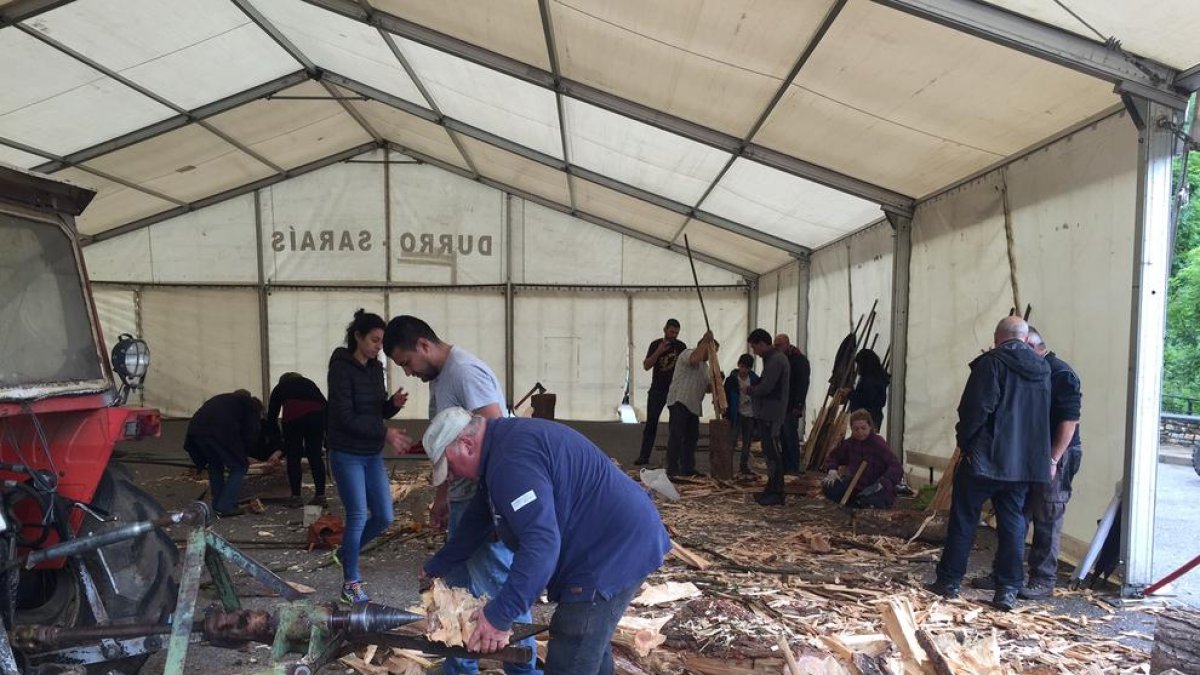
(1177, 642)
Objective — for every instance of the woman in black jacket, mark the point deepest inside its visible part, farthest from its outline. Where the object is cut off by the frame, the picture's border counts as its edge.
(358, 404)
(870, 393)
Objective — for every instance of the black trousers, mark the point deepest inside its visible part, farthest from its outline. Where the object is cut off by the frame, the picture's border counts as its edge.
(744, 429)
(684, 428)
(655, 402)
(789, 439)
(303, 438)
(768, 434)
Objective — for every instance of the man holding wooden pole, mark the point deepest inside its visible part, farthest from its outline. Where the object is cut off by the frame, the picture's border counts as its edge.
(685, 403)
(769, 399)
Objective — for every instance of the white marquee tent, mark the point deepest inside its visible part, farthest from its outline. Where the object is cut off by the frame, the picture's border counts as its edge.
(523, 174)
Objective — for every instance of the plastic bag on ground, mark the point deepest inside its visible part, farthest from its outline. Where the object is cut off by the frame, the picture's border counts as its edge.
(656, 480)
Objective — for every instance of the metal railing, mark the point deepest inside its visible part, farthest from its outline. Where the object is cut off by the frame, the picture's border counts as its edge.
(1186, 405)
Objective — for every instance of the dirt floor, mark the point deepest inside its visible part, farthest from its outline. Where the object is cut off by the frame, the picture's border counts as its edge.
(808, 572)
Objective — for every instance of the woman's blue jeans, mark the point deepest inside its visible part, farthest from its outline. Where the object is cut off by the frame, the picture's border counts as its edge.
(362, 484)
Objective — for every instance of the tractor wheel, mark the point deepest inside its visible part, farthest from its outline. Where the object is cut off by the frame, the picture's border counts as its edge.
(1196, 458)
(135, 579)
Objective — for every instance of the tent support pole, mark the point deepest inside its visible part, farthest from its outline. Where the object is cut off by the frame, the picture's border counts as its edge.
(1151, 264)
(901, 264)
(509, 310)
(264, 339)
(803, 265)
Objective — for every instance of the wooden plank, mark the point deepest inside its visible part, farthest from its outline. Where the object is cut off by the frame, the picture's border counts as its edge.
(862, 467)
(941, 499)
(689, 558)
(788, 656)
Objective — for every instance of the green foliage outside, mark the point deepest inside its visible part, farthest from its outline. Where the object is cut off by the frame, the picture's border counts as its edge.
(1181, 359)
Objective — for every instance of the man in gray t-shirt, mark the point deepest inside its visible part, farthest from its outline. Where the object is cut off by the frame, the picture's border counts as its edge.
(457, 378)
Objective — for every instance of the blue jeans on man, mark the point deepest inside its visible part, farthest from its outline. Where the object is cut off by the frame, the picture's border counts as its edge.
(484, 574)
(362, 484)
(581, 634)
(1008, 498)
(224, 480)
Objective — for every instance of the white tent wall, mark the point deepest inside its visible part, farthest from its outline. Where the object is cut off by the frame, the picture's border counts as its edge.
(780, 293)
(1072, 211)
(204, 341)
(845, 280)
(324, 253)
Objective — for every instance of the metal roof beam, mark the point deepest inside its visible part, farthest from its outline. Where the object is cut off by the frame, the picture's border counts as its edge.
(21, 10)
(552, 53)
(1189, 80)
(230, 194)
(1104, 60)
(612, 103)
(455, 126)
(171, 123)
(270, 29)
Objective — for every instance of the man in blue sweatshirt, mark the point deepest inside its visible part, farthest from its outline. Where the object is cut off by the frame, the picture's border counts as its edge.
(581, 529)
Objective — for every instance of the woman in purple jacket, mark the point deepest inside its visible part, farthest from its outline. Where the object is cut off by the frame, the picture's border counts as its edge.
(876, 488)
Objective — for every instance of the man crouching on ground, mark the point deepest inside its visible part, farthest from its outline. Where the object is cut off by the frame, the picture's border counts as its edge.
(581, 529)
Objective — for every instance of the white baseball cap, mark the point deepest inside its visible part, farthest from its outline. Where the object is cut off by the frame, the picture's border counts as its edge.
(445, 427)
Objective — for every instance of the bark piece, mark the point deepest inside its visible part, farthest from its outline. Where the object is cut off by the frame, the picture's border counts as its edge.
(689, 557)
(668, 592)
(450, 613)
(1177, 642)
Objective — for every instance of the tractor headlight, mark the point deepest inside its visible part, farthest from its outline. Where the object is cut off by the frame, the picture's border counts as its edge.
(131, 360)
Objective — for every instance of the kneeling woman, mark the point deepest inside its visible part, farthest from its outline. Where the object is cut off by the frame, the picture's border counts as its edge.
(876, 488)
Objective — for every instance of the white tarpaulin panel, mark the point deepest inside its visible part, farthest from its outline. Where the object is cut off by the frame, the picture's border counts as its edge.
(510, 27)
(304, 327)
(114, 203)
(643, 264)
(727, 313)
(871, 280)
(768, 301)
(517, 172)
(576, 346)
(327, 225)
(639, 154)
(123, 259)
(788, 302)
(555, 248)
(501, 104)
(117, 308)
(53, 102)
(1072, 206)
(204, 342)
(183, 249)
(20, 159)
(292, 132)
(732, 247)
(189, 52)
(829, 319)
(470, 318)
(408, 131)
(789, 207)
(622, 209)
(959, 289)
(445, 229)
(685, 55)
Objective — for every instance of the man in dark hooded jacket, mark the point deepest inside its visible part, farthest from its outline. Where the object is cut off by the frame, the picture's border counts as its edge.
(1004, 434)
(222, 436)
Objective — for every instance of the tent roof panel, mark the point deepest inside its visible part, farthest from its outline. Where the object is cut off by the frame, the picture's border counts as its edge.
(488, 99)
(625, 210)
(639, 154)
(409, 131)
(342, 45)
(734, 248)
(787, 206)
(1152, 29)
(187, 164)
(18, 158)
(292, 132)
(518, 172)
(187, 52)
(509, 27)
(114, 205)
(736, 52)
(66, 105)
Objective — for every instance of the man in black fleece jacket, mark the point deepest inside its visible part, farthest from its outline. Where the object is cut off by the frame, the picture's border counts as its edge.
(1004, 434)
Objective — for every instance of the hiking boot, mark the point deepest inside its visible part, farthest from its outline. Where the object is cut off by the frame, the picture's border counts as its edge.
(946, 589)
(231, 513)
(294, 502)
(353, 593)
(986, 583)
(1036, 589)
(319, 500)
(1005, 599)
(769, 499)
(641, 461)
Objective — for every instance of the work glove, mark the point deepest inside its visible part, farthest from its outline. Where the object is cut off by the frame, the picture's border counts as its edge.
(870, 489)
(831, 477)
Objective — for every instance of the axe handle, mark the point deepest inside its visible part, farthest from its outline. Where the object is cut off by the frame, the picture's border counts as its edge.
(862, 467)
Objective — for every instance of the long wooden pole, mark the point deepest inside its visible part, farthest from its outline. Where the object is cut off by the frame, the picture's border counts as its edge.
(714, 370)
(696, 280)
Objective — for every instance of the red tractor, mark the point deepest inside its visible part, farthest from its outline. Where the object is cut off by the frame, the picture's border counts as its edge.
(61, 412)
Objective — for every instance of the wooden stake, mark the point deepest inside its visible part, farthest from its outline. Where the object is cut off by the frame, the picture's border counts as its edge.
(945, 488)
(793, 667)
(853, 483)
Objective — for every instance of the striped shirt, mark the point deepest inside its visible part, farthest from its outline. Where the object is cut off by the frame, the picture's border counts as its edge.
(689, 383)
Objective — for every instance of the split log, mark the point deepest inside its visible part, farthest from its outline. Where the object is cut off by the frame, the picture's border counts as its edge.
(688, 557)
(901, 626)
(936, 658)
(1177, 642)
(902, 524)
(450, 613)
(945, 488)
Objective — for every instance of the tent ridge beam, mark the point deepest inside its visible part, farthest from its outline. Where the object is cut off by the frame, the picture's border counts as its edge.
(1103, 60)
(277, 35)
(171, 123)
(624, 107)
(188, 207)
(23, 10)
